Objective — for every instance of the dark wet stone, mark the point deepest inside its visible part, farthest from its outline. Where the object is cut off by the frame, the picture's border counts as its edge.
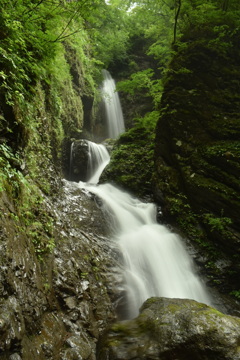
(57, 307)
(15, 357)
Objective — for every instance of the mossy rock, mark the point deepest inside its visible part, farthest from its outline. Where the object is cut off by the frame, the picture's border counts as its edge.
(131, 164)
(169, 329)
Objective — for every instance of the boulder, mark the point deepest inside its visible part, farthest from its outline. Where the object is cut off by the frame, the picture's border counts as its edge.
(173, 329)
(78, 160)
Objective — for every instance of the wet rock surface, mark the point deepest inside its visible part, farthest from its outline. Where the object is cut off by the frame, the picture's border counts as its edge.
(56, 306)
(78, 160)
(170, 329)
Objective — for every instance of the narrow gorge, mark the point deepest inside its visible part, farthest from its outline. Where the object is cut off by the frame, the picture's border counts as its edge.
(119, 198)
(152, 261)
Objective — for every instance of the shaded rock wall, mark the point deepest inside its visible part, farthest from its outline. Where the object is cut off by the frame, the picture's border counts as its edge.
(78, 162)
(197, 149)
(55, 302)
(54, 298)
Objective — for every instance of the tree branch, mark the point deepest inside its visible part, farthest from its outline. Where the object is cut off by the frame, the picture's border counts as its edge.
(68, 23)
(66, 36)
(225, 5)
(176, 20)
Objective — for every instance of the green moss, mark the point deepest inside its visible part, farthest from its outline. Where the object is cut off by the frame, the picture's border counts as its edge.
(236, 293)
(198, 149)
(217, 224)
(28, 209)
(132, 163)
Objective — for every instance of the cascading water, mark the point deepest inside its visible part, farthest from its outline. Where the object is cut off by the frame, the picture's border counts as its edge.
(98, 158)
(71, 159)
(155, 261)
(114, 115)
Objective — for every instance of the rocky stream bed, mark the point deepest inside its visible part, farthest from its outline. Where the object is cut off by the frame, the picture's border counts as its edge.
(59, 306)
(56, 307)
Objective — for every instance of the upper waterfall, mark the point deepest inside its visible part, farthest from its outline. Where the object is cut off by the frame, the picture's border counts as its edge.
(114, 115)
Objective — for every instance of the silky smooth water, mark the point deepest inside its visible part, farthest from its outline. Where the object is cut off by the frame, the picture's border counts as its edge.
(114, 115)
(155, 261)
(98, 158)
(71, 160)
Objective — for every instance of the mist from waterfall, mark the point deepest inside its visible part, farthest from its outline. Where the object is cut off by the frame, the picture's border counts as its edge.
(114, 115)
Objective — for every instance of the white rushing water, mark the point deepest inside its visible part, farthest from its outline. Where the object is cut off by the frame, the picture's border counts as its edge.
(71, 159)
(98, 158)
(155, 261)
(114, 115)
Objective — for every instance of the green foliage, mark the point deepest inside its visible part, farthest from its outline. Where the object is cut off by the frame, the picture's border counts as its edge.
(111, 36)
(31, 46)
(179, 204)
(185, 218)
(10, 176)
(142, 84)
(31, 216)
(141, 80)
(40, 230)
(149, 122)
(236, 293)
(131, 163)
(209, 20)
(217, 224)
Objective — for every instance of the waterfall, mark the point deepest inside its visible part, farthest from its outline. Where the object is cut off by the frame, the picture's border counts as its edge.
(114, 116)
(98, 158)
(71, 159)
(155, 261)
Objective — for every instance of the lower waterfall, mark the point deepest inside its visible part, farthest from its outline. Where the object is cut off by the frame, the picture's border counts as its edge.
(154, 260)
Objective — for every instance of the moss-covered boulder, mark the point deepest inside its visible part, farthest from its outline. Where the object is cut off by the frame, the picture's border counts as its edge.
(131, 164)
(170, 329)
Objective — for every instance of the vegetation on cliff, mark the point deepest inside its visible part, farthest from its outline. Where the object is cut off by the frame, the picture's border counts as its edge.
(197, 142)
(189, 76)
(51, 56)
(179, 66)
(47, 74)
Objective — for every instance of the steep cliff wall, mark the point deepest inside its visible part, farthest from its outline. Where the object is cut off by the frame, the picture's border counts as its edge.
(49, 265)
(197, 149)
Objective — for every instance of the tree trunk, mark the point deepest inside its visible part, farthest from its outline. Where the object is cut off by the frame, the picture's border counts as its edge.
(178, 4)
(225, 5)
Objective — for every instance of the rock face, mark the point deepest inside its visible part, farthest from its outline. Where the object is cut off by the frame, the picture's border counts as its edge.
(198, 150)
(78, 161)
(168, 329)
(131, 163)
(55, 304)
